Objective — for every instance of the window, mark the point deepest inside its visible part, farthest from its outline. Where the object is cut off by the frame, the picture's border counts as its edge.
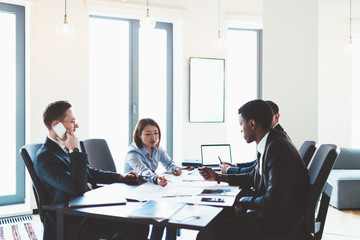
(12, 92)
(243, 84)
(356, 89)
(130, 71)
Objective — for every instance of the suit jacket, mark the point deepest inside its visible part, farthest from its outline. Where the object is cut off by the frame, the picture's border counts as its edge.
(283, 186)
(65, 175)
(247, 167)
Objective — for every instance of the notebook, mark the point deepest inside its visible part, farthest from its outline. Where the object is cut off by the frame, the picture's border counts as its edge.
(211, 154)
(92, 199)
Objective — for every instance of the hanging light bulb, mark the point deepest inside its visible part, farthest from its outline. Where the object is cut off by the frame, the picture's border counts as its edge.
(64, 28)
(348, 47)
(220, 42)
(147, 22)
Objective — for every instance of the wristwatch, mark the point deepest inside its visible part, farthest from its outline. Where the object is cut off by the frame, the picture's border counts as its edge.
(76, 149)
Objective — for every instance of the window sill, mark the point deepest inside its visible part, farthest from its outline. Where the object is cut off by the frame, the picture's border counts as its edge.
(15, 210)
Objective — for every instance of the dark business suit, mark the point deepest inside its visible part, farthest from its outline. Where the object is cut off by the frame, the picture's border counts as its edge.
(282, 188)
(66, 175)
(248, 166)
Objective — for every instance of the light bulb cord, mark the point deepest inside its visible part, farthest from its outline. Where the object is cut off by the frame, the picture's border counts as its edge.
(219, 16)
(350, 26)
(65, 16)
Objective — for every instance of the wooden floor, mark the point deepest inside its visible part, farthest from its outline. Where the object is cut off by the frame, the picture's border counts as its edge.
(339, 225)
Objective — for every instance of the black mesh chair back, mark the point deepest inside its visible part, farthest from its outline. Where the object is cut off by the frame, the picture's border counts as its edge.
(28, 153)
(99, 155)
(307, 150)
(319, 171)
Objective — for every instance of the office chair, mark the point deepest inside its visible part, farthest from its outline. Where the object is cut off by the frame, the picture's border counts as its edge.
(28, 153)
(313, 221)
(99, 155)
(307, 150)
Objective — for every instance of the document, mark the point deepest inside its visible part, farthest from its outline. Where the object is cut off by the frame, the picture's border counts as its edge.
(159, 210)
(103, 196)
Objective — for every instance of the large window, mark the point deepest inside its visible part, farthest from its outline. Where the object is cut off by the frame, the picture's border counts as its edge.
(130, 71)
(356, 89)
(243, 84)
(12, 95)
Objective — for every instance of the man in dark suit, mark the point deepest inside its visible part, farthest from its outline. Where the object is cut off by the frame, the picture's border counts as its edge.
(64, 172)
(280, 182)
(231, 168)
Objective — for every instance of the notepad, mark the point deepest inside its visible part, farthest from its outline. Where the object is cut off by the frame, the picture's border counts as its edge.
(92, 200)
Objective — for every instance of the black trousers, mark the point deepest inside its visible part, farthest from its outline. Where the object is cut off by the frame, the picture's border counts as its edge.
(74, 230)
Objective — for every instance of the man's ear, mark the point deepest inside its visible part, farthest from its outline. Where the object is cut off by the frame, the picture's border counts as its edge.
(252, 123)
(54, 123)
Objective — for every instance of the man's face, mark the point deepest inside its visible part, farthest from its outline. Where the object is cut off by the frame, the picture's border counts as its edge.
(70, 121)
(247, 129)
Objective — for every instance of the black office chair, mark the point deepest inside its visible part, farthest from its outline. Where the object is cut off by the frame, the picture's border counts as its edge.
(28, 153)
(314, 219)
(307, 150)
(99, 155)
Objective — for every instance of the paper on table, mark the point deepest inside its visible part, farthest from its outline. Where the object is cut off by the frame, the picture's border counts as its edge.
(157, 210)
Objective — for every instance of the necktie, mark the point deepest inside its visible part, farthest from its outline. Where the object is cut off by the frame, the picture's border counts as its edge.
(66, 150)
(260, 163)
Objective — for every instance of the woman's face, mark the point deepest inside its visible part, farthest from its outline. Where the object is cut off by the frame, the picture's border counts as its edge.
(150, 136)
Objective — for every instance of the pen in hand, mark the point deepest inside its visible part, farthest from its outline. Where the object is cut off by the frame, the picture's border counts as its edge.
(220, 159)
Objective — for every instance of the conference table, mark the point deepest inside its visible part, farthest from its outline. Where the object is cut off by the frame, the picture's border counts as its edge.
(183, 196)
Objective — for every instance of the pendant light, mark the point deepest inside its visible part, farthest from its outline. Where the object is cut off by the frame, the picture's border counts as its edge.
(64, 28)
(147, 21)
(350, 26)
(220, 42)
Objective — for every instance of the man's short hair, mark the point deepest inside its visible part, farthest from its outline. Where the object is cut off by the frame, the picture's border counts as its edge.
(55, 111)
(259, 111)
(273, 106)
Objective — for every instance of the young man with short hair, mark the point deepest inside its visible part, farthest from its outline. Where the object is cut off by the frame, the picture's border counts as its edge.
(279, 183)
(64, 172)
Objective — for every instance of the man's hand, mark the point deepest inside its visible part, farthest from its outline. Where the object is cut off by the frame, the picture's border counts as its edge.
(130, 178)
(239, 210)
(208, 174)
(177, 171)
(224, 167)
(70, 142)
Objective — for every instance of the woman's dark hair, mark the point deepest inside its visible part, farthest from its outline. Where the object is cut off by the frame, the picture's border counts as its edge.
(259, 111)
(55, 111)
(140, 127)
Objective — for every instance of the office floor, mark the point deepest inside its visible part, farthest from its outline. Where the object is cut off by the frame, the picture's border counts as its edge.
(340, 225)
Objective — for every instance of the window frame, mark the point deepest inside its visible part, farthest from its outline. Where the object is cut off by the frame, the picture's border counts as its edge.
(19, 11)
(134, 26)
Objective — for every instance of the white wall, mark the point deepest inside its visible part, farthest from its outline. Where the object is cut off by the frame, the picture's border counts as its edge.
(290, 66)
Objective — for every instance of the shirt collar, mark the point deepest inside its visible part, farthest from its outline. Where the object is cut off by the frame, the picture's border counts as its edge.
(58, 143)
(262, 144)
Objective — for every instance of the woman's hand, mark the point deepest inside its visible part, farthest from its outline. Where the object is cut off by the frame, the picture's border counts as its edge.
(162, 181)
(177, 171)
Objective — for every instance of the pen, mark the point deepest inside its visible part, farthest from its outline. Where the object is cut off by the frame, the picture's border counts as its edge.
(219, 159)
(161, 177)
(176, 196)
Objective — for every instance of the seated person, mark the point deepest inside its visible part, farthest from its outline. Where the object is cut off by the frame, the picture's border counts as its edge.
(144, 156)
(231, 168)
(279, 183)
(64, 172)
